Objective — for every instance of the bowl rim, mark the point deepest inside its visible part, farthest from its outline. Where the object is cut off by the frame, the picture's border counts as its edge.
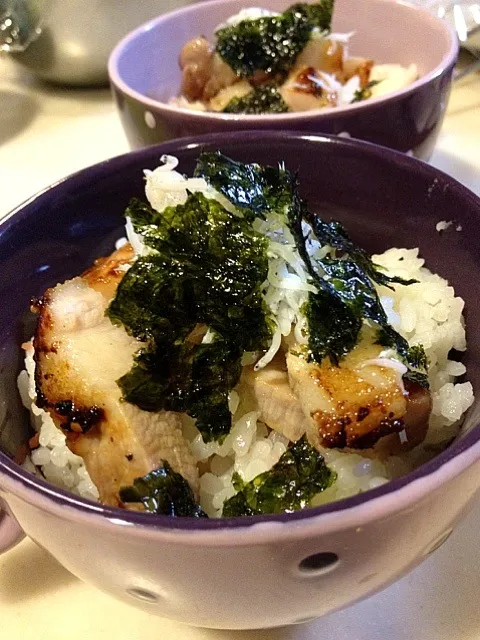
(446, 65)
(392, 497)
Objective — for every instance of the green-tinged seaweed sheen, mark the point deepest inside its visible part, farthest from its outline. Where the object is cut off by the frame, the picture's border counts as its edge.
(205, 270)
(264, 99)
(288, 486)
(254, 189)
(163, 492)
(271, 44)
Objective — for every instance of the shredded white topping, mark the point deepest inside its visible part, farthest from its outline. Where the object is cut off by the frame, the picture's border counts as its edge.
(170, 163)
(443, 224)
(135, 239)
(166, 187)
(342, 38)
(209, 337)
(325, 80)
(347, 92)
(275, 346)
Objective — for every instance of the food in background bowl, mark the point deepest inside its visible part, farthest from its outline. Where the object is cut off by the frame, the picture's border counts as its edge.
(268, 62)
(240, 355)
(406, 119)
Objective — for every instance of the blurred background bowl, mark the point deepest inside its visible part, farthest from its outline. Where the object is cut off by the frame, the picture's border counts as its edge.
(144, 75)
(67, 41)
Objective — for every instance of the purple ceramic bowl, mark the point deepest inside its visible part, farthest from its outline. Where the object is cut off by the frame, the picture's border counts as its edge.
(144, 75)
(260, 571)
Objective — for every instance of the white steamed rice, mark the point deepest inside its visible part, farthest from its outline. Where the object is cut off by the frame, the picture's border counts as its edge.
(52, 459)
(426, 313)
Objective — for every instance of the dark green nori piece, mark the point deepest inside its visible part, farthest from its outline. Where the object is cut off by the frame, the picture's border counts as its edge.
(288, 486)
(272, 44)
(255, 190)
(414, 357)
(347, 294)
(334, 234)
(263, 99)
(206, 268)
(319, 14)
(163, 492)
(333, 327)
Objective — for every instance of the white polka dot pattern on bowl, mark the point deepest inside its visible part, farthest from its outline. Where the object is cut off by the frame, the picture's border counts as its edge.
(150, 120)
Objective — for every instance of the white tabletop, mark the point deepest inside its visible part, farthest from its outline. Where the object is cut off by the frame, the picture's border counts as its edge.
(45, 134)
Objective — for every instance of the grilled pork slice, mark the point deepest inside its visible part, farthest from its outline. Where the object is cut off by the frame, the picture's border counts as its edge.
(79, 356)
(322, 54)
(268, 391)
(204, 72)
(359, 402)
(306, 89)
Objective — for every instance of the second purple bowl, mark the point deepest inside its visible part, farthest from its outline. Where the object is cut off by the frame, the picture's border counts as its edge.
(144, 75)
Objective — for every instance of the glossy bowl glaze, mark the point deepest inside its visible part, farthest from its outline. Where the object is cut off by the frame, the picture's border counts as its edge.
(261, 571)
(144, 75)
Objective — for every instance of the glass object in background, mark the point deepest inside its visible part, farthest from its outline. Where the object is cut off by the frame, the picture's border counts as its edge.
(463, 16)
(465, 19)
(68, 41)
(20, 23)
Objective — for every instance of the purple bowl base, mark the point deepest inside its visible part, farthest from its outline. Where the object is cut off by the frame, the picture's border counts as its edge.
(367, 126)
